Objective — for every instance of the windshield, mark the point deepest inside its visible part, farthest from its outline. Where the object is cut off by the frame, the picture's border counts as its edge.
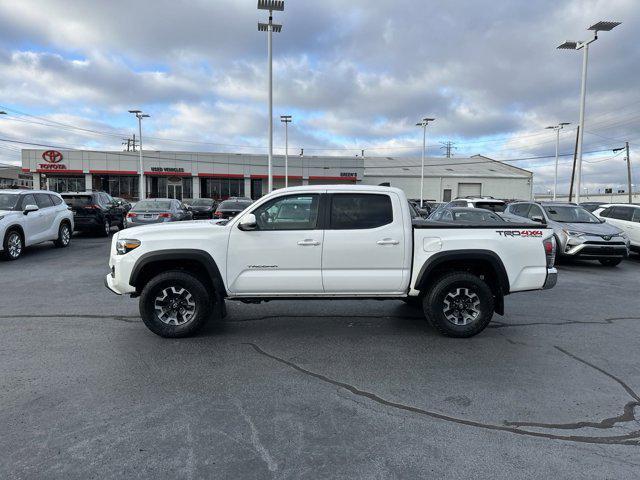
(202, 202)
(152, 206)
(233, 205)
(569, 214)
(77, 200)
(8, 201)
(491, 206)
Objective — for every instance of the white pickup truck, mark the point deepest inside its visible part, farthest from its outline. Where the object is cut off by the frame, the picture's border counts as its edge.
(316, 242)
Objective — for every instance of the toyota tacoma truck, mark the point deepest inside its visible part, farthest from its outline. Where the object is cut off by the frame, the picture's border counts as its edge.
(329, 242)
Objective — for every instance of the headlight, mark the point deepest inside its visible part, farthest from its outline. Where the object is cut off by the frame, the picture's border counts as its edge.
(125, 245)
(573, 233)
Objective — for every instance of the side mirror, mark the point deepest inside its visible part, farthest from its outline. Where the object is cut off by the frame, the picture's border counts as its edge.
(248, 222)
(537, 219)
(30, 208)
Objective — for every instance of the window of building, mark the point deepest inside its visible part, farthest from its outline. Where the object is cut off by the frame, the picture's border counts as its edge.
(294, 212)
(221, 188)
(123, 186)
(446, 195)
(359, 211)
(66, 184)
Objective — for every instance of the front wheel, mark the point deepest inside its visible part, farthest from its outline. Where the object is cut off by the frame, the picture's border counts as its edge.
(610, 262)
(459, 304)
(175, 304)
(13, 245)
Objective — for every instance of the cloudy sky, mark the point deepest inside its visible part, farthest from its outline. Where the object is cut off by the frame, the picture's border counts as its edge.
(354, 75)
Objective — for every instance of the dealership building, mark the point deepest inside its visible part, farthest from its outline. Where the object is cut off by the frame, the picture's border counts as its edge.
(221, 175)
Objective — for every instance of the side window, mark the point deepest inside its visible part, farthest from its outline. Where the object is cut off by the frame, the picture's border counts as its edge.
(521, 209)
(43, 200)
(447, 216)
(28, 200)
(104, 199)
(56, 200)
(359, 211)
(459, 203)
(636, 215)
(606, 212)
(622, 213)
(535, 211)
(293, 212)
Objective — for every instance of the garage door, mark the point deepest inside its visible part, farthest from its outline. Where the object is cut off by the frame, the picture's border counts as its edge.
(469, 189)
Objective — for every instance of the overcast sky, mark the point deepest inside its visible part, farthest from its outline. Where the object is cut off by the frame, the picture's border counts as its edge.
(354, 75)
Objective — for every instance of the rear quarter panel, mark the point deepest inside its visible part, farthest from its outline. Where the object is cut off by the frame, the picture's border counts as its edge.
(520, 249)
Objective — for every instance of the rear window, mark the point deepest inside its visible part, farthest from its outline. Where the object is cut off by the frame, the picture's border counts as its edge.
(152, 206)
(359, 211)
(234, 205)
(491, 206)
(77, 200)
(202, 202)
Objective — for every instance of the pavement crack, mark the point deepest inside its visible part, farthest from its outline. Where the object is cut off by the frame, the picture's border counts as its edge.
(631, 438)
(120, 318)
(606, 321)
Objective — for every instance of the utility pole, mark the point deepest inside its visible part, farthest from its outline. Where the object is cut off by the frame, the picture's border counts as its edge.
(423, 123)
(557, 128)
(286, 119)
(628, 160)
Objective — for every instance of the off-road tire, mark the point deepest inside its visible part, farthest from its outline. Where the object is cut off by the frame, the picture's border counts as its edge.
(434, 304)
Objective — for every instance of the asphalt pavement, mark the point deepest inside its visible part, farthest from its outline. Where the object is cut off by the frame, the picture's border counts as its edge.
(315, 389)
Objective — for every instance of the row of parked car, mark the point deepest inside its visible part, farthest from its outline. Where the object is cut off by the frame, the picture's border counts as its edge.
(29, 217)
(603, 232)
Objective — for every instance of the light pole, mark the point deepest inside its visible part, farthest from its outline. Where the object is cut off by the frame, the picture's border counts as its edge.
(270, 27)
(286, 119)
(557, 128)
(603, 26)
(139, 115)
(423, 123)
(629, 178)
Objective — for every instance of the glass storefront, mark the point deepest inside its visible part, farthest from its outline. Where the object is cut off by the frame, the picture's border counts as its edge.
(123, 186)
(221, 188)
(62, 184)
(169, 187)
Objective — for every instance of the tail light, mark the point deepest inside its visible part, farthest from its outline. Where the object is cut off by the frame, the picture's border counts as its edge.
(550, 250)
(131, 215)
(218, 214)
(165, 215)
(92, 207)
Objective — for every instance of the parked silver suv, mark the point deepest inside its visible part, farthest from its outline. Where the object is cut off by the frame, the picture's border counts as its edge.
(28, 217)
(578, 232)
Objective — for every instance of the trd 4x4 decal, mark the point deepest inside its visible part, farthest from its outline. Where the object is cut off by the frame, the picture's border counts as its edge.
(519, 233)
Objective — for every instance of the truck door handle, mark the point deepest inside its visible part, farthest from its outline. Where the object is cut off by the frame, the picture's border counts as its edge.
(308, 242)
(387, 241)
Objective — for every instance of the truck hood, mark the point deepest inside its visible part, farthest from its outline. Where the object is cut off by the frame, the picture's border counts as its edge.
(591, 228)
(159, 230)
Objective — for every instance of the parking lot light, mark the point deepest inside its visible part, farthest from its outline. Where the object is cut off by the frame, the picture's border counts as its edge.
(557, 128)
(139, 115)
(602, 26)
(423, 123)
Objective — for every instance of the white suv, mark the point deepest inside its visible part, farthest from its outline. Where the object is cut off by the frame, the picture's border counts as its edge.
(624, 216)
(487, 203)
(28, 217)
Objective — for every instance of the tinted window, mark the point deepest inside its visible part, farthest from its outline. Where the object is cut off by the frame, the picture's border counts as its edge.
(78, 200)
(356, 211)
(152, 206)
(636, 215)
(295, 212)
(622, 213)
(606, 212)
(520, 209)
(234, 205)
(478, 215)
(535, 211)
(28, 200)
(458, 203)
(43, 200)
(491, 206)
(55, 199)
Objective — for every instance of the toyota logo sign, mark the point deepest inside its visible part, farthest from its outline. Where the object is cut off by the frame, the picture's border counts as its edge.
(52, 156)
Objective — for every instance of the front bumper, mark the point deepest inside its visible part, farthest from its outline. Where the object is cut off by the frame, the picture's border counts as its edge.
(551, 280)
(596, 249)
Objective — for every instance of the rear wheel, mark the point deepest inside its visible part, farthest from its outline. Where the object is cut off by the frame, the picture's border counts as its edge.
(106, 228)
(13, 245)
(459, 304)
(175, 304)
(610, 262)
(64, 236)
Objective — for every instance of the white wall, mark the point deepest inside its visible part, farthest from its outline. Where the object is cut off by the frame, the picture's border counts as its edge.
(507, 188)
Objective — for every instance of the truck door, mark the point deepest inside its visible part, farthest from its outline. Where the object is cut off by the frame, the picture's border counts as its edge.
(364, 244)
(283, 254)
